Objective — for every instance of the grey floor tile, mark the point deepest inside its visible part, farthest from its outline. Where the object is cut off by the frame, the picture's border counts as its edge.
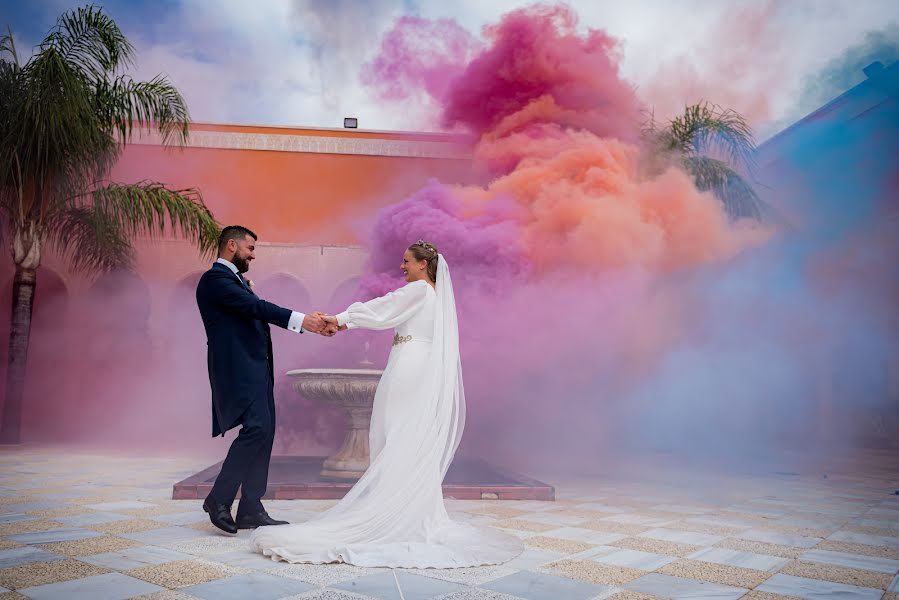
(15, 517)
(111, 586)
(165, 535)
(679, 588)
(121, 505)
(852, 561)
(737, 558)
(682, 537)
(247, 559)
(722, 521)
(132, 558)
(635, 559)
(542, 586)
(813, 589)
(384, 585)
(775, 537)
(54, 535)
(879, 523)
(35, 505)
(92, 519)
(637, 519)
(755, 510)
(24, 555)
(680, 508)
(863, 538)
(553, 519)
(531, 557)
(590, 536)
(258, 586)
(609, 508)
(185, 518)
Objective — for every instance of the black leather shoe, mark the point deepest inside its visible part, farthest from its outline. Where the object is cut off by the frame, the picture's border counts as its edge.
(220, 515)
(258, 520)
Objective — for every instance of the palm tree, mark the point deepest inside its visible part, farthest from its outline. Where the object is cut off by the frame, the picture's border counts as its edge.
(711, 144)
(64, 117)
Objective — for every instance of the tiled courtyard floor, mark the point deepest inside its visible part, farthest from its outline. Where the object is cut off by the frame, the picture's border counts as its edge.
(81, 525)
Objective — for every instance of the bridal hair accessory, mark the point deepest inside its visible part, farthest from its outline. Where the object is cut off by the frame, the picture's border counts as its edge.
(426, 246)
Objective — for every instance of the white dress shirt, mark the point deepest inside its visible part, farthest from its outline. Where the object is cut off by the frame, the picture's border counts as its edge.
(295, 323)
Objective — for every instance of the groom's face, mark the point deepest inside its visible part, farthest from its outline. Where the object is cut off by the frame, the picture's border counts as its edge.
(244, 253)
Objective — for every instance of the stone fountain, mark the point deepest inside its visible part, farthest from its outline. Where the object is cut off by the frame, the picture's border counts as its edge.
(317, 477)
(353, 390)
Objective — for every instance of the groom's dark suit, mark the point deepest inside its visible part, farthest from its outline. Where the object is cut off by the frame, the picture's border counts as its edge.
(241, 374)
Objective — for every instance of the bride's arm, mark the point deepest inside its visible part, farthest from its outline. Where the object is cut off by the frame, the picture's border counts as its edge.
(385, 312)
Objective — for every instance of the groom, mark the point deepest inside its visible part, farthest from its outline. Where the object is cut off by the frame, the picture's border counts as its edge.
(239, 357)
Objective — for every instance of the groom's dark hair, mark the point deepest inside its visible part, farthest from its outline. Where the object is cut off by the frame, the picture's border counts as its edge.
(234, 232)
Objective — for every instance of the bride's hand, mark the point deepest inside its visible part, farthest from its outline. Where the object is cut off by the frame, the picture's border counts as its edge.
(332, 320)
(331, 326)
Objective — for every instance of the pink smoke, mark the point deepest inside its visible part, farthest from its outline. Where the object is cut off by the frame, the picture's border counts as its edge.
(419, 55)
(537, 69)
(562, 257)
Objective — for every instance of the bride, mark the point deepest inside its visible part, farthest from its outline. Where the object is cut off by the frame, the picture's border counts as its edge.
(394, 516)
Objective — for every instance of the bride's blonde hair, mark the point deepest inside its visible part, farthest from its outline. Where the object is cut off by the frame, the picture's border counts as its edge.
(423, 250)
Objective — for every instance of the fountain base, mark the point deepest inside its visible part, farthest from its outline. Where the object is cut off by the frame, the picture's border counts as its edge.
(300, 478)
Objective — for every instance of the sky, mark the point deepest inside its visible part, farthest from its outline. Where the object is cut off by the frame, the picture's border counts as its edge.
(304, 62)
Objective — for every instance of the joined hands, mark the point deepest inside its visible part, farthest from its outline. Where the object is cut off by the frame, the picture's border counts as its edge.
(322, 324)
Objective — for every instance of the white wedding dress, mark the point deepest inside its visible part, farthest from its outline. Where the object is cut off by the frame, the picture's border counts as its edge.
(394, 516)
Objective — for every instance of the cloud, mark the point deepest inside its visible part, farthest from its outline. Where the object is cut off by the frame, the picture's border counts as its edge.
(845, 71)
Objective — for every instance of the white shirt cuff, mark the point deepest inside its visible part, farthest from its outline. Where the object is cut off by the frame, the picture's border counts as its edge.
(343, 319)
(296, 322)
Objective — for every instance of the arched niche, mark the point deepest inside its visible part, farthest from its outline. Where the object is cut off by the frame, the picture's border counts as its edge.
(183, 322)
(49, 371)
(345, 294)
(115, 312)
(284, 290)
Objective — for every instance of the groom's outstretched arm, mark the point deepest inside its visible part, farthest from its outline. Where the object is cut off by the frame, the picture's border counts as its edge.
(233, 297)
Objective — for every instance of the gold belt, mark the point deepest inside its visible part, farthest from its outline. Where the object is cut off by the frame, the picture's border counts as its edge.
(399, 339)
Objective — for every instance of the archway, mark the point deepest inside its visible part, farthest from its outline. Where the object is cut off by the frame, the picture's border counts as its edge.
(49, 371)
(115, 355)
(345, 294)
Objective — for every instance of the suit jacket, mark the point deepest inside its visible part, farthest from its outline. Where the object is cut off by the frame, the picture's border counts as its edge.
(239, 344)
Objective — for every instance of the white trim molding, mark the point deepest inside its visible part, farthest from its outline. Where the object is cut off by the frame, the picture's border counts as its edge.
(317, 144)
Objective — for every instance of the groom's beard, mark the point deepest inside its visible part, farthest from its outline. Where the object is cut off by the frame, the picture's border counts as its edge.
(242, 264)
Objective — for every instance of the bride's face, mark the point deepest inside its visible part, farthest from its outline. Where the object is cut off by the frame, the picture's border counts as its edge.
(413, 269)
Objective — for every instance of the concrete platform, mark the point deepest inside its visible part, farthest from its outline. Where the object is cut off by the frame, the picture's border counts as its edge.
(297, 478)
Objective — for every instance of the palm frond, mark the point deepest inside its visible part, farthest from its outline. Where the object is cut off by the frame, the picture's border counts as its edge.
(90, 41)
(709, 174)
(707, 128)
(8, 46)
(10, 100)
(54, 128)
(144, 104)
(90, 240)
(150, 208)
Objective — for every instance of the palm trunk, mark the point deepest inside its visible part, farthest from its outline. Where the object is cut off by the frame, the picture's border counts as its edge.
(19, 333)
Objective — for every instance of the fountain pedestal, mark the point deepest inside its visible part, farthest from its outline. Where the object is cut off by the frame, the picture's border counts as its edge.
(353, 390)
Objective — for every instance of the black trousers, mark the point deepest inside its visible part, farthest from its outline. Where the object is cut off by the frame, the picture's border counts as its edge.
(246, 466)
